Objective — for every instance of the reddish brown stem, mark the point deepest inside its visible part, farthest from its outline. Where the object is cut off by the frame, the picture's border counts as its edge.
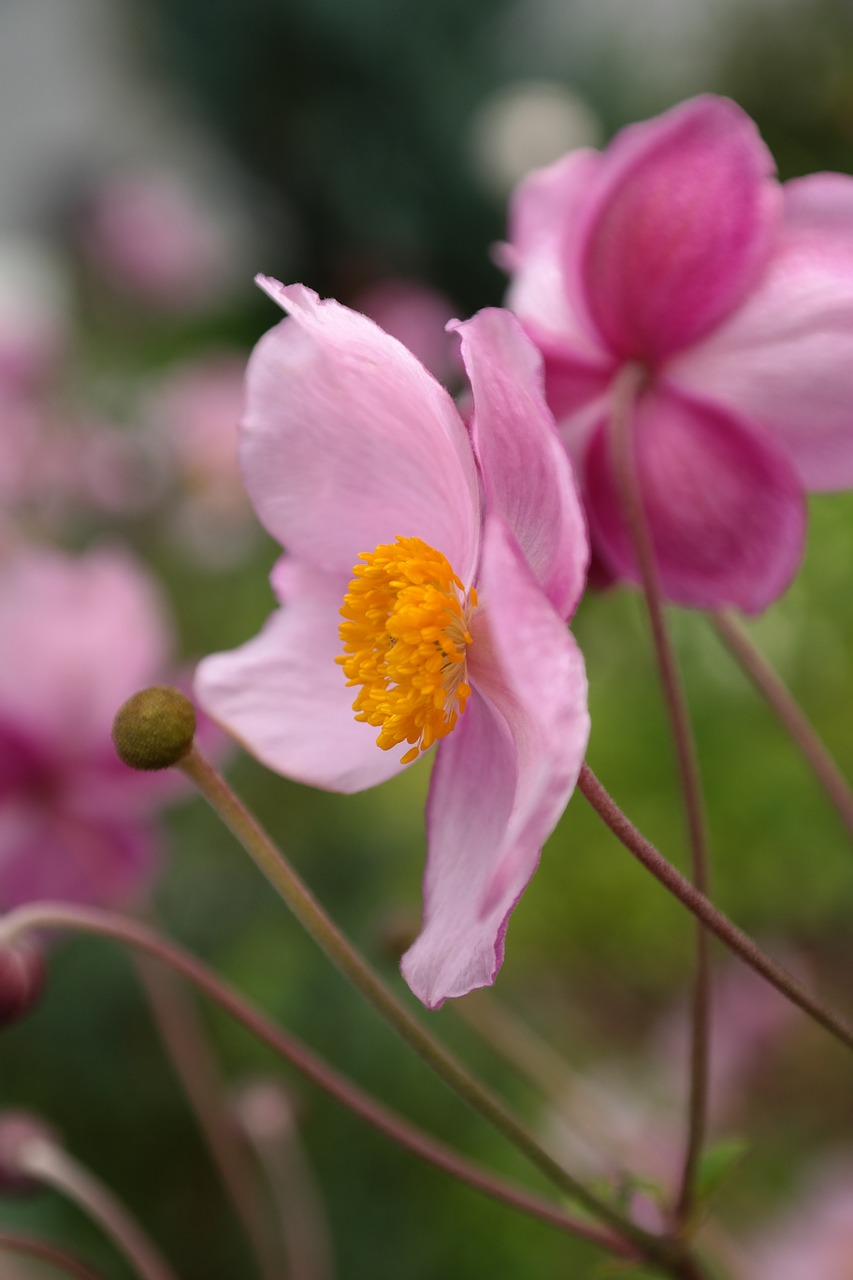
(738, 942)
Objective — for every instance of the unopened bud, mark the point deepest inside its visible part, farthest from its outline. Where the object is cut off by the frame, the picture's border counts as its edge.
(21, 979)
(20, 1131)
(154, 729)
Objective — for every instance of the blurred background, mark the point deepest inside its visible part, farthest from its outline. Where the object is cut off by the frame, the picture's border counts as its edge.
(154, 155)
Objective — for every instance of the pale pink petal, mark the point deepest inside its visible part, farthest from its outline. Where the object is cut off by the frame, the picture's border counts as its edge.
(544, 210)
(348, 442)
(785, 358)
(677, 229)
(501, 779)
(726, 510)
(527, 477)
(283, 696)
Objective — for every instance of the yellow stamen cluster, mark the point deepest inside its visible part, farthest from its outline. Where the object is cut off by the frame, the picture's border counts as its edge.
(405, 636)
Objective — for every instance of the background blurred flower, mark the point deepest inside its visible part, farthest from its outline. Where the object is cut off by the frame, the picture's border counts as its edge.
(675, 250)
(191, 416)
(813, 1236)
(348, 445)
(79, 636)
(150, 235)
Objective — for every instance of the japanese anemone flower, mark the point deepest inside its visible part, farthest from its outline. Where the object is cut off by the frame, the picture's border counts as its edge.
(80, 634)
(429, 572)
(676, 251)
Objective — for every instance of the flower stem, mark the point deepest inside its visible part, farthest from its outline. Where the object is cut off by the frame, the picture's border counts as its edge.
(32, 1247)
(343, 954)
(738, 942)
(44, 1160)
(791, 715)
(627, 385)
(267, 1119)
(178, 1023)
(56, 915)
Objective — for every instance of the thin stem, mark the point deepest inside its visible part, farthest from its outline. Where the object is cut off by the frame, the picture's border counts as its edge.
(32, 1247)
(343, 954)
(268, 1121)
(44, 1160)
(57, 915)
(738, 942)
(625, 390)
(182, 1034)
(586, 1108)
(790, 714)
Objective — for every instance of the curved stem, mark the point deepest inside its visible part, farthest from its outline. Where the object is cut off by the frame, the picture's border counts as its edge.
(56, 915)
(181, 1032)
(788, 711)
(738, 942)
(44, 1160)
(628, 383)
(343, 954)
(32, 1247)
(270, 1126)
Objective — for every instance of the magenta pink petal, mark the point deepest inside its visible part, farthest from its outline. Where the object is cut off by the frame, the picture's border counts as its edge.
(527, 477)
(283, 696)
(348, 442)
(501, 779)
(678, 228)
(726, 510)
(46, 852)
(785, 358)
(544, 210)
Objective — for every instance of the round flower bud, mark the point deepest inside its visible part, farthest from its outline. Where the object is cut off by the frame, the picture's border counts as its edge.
(154, 729)
(21, 980)
(18, 1129)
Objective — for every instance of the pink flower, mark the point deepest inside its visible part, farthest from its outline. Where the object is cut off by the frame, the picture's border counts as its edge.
(192, 416)
(454, 559)
(151, 235)
(814, 1236)
(79, 636)
(677, 250)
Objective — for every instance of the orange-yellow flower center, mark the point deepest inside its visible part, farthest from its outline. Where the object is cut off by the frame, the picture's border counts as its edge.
(405, 636)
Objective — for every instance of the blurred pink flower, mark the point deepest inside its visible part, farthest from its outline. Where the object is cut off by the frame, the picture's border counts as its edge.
(455, 560)
(56, 470)
(750, 1021)
(192, 417)
(678, 251)
(78, 637)
(150, 234)
(813, 1238)
(417, 316)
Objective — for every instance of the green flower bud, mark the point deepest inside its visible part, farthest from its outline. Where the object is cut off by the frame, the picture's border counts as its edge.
(154, 729)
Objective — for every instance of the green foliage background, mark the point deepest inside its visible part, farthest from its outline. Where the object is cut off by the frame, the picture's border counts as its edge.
(349, 114)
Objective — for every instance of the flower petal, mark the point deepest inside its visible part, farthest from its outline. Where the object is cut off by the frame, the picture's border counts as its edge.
(48, 853)
(527, 476)
(725, 508)
(678, 227)
(785, 358)
(544, 210)
(348, 442)
(501, 779)
(283, 696)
